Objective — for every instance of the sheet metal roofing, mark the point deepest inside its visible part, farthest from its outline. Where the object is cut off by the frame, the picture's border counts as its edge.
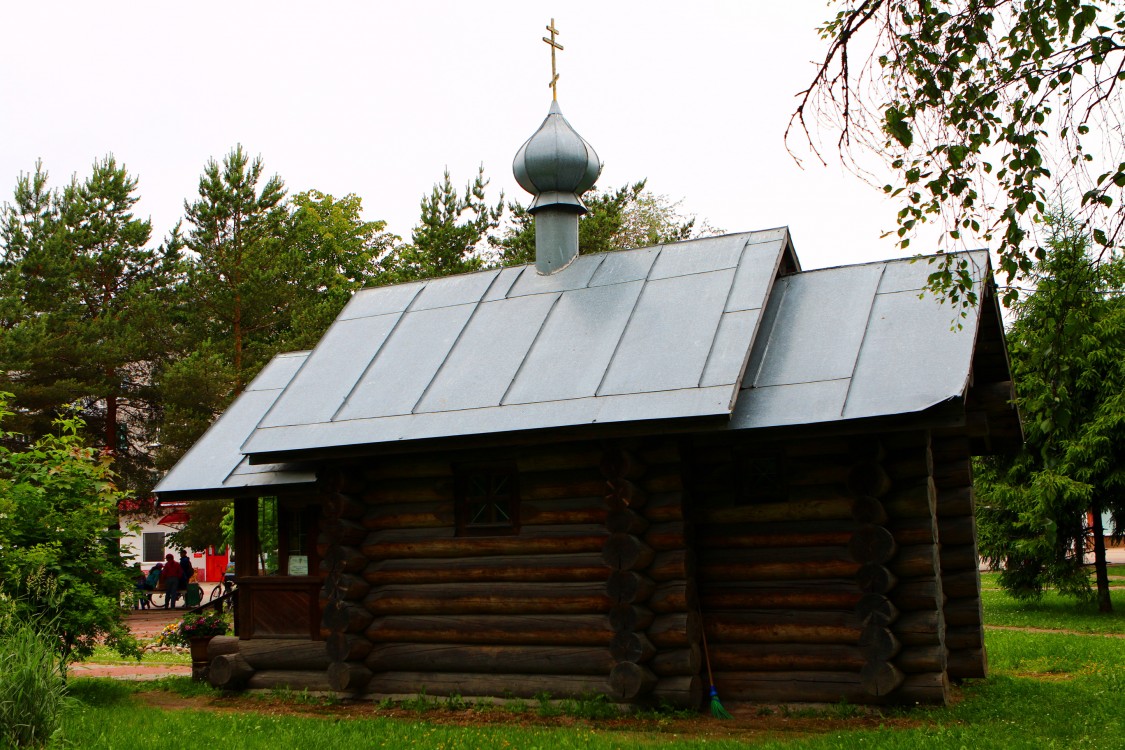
(855, 342)
(215, 465)
(655, 333)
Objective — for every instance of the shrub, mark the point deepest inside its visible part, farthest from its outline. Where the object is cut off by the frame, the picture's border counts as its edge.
(32, 686)
(195, 625)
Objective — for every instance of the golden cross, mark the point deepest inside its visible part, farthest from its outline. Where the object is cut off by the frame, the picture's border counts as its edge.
(554, 46)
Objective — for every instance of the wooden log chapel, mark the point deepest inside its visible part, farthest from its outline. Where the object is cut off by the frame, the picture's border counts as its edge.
(577, 476)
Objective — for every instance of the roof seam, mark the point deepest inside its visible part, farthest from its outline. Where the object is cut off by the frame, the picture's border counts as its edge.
(375, 356)
(723, 314)
(862, 340)
(448, 352)
(527, 356)
(628, 322)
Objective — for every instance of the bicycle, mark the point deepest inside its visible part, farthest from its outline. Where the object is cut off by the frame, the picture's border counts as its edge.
(226, 589)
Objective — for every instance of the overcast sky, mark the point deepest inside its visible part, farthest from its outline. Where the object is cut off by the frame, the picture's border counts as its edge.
(378, 98)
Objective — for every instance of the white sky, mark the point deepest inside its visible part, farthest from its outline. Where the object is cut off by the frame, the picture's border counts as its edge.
(377, 98)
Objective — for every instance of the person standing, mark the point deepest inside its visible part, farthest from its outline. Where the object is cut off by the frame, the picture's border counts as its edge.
(170, 577)
(188, 570)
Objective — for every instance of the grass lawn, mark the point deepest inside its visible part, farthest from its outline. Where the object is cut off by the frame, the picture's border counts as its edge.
(1046, 690)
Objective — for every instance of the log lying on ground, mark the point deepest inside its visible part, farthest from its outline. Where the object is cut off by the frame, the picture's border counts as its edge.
(772, 657)
(229, 671)
(470, 685)
(284, 653)
(279, 679)
(485, 659)
(562, 630)
(223, 644)
(587, 566)
(489, 598)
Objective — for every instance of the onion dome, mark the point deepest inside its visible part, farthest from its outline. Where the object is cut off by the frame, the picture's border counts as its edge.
(556, 165)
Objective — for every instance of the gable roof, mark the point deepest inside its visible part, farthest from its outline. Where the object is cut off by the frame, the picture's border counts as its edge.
(655, 333)
(215, 466)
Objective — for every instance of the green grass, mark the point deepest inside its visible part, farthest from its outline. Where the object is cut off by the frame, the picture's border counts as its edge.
(1046, 690)
(105, 655)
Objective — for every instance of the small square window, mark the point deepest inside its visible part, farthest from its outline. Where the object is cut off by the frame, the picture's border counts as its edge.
(487, 500)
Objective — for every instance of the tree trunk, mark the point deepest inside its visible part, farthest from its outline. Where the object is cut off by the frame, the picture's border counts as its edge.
(1105, 604)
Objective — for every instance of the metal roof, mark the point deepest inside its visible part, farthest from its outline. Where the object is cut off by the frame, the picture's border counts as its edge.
(654, 333)
(857, 341)
(215, 466)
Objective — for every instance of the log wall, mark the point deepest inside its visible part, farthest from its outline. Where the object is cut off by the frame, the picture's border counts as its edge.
(822, 573)
(592, 595)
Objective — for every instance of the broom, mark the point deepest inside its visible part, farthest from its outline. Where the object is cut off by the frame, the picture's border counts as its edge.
(717, 709)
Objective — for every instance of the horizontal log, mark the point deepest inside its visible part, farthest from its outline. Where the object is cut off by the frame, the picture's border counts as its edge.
(474, 685)
(560, 630)
(665, 506)
(673, 565)
(918, 593)
(868, 478)
(913, 659)
(908, 466)
(342, 617)
(717, 568)
(678, 692)
(556, 485)
(421, 489)
(835, 533)
(957, 530)
(529, 542)
(876, 609)
(832, 594)
(674, 596)
(559, 457)
(951, 448)
(628, 587)
(625, 520)
(913, 501)
(621, 493)
(878, 643)
(916, 561)
(962, 612)
(961, 585)
(345, 647)
(773, 657)
(342, 559)
(949, 474)
(338, 505)
(284, 653)
(423, 465)
(968, 663)
(875, 579)
(673, 662)
(488, 598)
(676, 630)
(915, 530)
(956, 501)
(959, 557)
(490, 659)
(630, 618)
(280, 679)
(777, 626)
(830, 469)
(866, 509)
(348, 587)
(881, 678)
(964, 638)
(670, 535)
(543, 568)
(628, 681)
(872, 544)
(626, 552)
(420, 515)
(920, 628)
(826, 687)
(618, 463)
(577, 510)
(223, 644)
(228, 671)
(667, 478)
(348, 676)
(634, 647)
(836, 508)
